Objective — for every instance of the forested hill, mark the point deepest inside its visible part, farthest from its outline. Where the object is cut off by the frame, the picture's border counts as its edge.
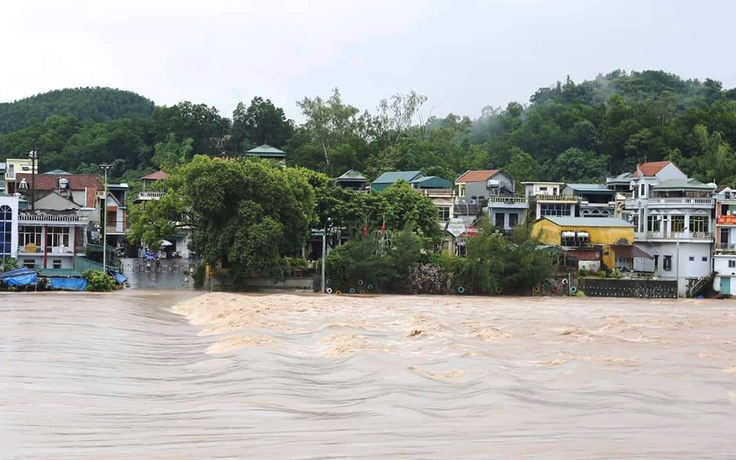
(571, 132)
(96, 104)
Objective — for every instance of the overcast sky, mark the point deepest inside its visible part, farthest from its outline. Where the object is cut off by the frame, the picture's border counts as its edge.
(463, 55)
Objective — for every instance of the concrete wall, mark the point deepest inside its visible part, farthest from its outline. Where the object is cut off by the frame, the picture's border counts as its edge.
(670, 172)
(479, 189)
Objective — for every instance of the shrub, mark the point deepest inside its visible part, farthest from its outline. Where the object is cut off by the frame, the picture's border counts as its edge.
(427, 279)
(8, 264)
(297, 262)
(583, 272)
(198, 276)
(616, 274)
(99, 282)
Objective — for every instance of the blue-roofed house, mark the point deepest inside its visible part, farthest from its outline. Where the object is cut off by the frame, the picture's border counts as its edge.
(387, 179)
(435, 188)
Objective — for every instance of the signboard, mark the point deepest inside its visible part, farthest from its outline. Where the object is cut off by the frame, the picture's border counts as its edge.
(456, 227)
(726, 220)
(471, 231)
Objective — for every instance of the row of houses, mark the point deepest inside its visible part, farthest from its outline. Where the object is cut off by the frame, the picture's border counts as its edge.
(654, 220)
(48, 220)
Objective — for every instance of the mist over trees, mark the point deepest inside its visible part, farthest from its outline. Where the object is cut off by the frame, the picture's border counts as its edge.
(576, 132)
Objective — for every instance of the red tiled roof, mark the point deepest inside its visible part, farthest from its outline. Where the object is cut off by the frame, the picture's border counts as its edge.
(76, 182)
(477, 176)
(158, 175)
(651, 168)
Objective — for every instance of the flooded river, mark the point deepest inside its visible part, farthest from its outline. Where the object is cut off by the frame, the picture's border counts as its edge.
(126, 376)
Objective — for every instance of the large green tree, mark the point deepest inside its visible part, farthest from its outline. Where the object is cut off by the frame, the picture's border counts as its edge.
(247, 214)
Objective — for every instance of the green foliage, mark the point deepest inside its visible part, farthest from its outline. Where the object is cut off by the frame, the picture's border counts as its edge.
(615, 274)
(198, 276)
(375, 262)
(260, 123)
(493, 261)
(247, 213)
(583, 273)
(297, 262)
(98, 281)
(7, 264)
(93, 104)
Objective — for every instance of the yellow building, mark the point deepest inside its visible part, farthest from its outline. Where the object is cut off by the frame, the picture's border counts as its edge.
(590, 240)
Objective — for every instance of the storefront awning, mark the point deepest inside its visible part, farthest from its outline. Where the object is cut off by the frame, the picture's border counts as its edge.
(630, 252)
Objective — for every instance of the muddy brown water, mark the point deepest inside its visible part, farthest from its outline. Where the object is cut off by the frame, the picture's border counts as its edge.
(123, 376)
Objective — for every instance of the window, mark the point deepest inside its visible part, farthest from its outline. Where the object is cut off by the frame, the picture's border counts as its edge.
(677, 224)
(667, 263)
(705, 259)
(444, 213)
(724, 237)
(654, 224)
(57, 236)
(513, 220)
(732, 264)
(6, 230)
(500, 220)
(641, 190)
(30, 235)
(29, 263)
(692, 259)
(56, 263)
(698, 224)
(554, 210)
(461, 190)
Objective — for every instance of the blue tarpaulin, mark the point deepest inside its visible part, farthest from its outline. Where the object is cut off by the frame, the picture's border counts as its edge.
(19, 277)
(119, 277)
(68, 284)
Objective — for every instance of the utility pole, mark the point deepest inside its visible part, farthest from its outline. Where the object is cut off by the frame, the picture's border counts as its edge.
(324, 252)
(33, 156)
(105, 167)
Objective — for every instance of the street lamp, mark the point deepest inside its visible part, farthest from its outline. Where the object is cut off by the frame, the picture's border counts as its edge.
(105, 167)
(324, 252)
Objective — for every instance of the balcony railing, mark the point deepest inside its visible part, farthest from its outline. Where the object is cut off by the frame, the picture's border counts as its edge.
(436, 192)
(673, 236)
(561, 198)
(28, 217)
(150, 195)
(507, 200)
(672, 201)
(726, 247)
(55, 250)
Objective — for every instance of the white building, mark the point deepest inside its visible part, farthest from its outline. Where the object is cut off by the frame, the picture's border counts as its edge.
(546, 199)
(50, 239)
(724, 259)
(8, 226)
(673, 219)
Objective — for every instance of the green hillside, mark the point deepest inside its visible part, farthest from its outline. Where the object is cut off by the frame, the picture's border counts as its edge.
(95, 104)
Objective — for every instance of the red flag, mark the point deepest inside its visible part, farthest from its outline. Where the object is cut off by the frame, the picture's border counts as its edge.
(383, 226)
(365, 230)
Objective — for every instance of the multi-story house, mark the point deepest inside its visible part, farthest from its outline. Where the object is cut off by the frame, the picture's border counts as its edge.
(494, 193)
(14, 167)
(594, 200)
(51, 239)
(546, 199)
(673, 220)
(724, 257)
(150, 191)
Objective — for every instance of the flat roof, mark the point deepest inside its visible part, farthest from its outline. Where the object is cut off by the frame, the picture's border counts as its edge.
(587, 221)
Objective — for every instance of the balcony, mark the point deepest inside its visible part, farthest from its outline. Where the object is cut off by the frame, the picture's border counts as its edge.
(670, 202)
(541, 198)
(435, 192)
(726, 247)
(508, 202)
(674, 236)
(58, 220)
(148, 196)
(50, 250)
(116, 227)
